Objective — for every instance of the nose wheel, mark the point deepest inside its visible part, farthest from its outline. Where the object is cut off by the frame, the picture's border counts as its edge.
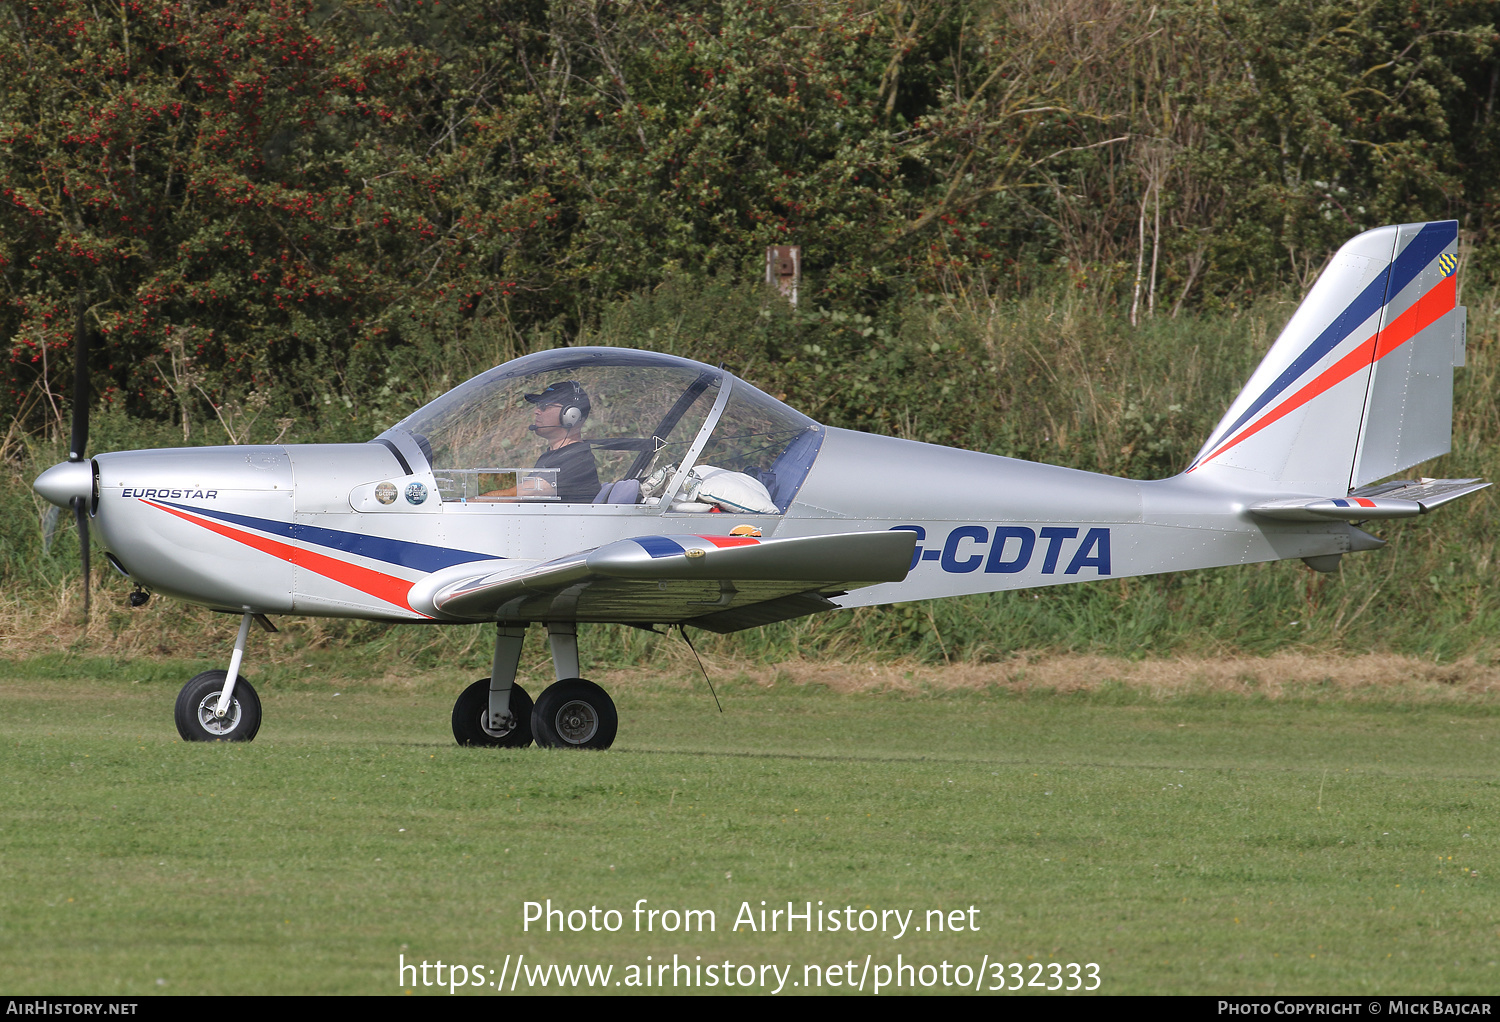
(197, 706)
(574, 714)
(220, 706)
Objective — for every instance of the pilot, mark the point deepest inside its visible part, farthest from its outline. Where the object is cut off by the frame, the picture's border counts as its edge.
(558, 419)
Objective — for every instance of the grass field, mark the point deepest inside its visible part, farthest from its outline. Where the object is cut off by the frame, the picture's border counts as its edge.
(1198, 841)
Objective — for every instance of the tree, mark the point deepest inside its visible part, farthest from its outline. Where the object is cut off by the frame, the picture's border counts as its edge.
(231, 188)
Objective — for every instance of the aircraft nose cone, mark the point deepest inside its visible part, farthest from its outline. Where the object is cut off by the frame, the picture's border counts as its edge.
(61, 483)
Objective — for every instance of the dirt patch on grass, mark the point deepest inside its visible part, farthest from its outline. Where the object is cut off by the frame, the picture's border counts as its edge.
(1284, 675)
(1278, 676)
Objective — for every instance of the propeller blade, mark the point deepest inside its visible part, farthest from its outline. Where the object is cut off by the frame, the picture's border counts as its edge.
(50, 518)
(80, 439)
(81, 515)
(79, 442)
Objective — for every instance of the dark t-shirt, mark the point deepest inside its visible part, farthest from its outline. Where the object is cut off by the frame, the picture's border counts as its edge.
(577, 476)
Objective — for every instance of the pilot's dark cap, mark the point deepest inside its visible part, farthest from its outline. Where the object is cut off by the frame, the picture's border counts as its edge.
(568, 392)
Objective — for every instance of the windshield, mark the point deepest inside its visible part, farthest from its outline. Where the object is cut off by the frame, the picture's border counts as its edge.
(525, 430)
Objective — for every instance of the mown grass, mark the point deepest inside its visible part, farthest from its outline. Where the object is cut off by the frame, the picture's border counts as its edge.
(1205, 842)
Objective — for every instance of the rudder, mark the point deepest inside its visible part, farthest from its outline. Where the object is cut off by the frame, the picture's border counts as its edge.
(1408, 414)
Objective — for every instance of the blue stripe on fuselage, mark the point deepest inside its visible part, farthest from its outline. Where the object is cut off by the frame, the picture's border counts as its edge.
(419, 556)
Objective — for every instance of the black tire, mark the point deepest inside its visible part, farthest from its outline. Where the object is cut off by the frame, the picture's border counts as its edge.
(575, 714)
(471, 718)
(195, 710)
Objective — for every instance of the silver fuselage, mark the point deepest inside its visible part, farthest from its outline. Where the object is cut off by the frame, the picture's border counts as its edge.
(294, 530)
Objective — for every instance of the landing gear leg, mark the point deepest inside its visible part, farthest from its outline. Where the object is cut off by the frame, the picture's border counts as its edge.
(572, 713)
(495, 711)
(218, 706)
(562, 636)
(234, 666)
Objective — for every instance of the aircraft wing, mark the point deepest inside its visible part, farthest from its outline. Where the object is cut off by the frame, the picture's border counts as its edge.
(722, 583)
(1404, 498)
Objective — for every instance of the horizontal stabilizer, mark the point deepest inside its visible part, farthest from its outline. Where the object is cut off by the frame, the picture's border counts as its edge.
(1401, 499)
(1430, 493)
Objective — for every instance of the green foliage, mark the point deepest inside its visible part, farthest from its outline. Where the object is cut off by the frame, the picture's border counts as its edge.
(233, 195)
(285, 198)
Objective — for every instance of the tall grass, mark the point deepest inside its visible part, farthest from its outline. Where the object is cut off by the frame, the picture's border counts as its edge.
(1054, 377)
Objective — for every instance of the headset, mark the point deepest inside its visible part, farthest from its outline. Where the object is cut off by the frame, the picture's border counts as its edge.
(572, 413)
(572, 401)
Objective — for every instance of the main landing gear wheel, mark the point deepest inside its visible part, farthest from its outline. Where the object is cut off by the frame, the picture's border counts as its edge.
(200, 697)
(471, 718)
(575, 714)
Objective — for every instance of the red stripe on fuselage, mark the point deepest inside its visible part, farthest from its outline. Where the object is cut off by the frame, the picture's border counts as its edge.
(1425, 311)
(384, 587)
(723, 541)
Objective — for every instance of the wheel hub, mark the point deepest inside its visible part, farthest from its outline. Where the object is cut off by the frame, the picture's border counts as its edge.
(507, 725)
(214, 724)
(577, 722)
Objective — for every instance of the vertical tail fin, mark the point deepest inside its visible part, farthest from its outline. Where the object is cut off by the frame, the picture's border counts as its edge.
(1360, 383)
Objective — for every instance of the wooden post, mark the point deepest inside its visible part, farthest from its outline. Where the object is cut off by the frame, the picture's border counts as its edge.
(784, 269)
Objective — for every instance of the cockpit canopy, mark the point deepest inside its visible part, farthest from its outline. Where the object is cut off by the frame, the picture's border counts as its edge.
(647, 417)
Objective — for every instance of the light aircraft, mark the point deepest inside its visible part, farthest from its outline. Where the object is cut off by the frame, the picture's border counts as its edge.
(709, 503)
